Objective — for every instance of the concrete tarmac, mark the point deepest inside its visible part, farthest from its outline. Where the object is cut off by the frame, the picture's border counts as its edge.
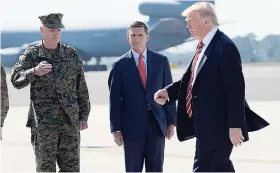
(100, 154)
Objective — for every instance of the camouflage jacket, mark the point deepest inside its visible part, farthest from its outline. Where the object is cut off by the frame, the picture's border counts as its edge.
(65, 83)
(4, 96)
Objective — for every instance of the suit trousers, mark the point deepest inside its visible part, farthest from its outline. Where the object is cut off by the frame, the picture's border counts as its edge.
(150, 149)
(213, 160)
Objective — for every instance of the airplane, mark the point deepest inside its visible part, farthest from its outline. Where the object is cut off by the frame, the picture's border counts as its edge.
(167, 28)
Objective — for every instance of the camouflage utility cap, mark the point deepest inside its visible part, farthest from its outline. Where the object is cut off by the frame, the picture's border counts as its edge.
(52, 20)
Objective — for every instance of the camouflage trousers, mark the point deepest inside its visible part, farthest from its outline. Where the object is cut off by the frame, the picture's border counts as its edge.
(56, 142)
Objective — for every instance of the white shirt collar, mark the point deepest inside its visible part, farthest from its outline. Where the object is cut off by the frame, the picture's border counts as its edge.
(136, 55)
(207, 39)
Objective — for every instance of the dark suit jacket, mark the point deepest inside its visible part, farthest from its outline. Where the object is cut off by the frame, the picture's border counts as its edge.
(218, 100)
(129, 100)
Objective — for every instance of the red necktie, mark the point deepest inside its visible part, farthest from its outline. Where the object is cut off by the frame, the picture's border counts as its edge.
(189, 90)
(142, 69)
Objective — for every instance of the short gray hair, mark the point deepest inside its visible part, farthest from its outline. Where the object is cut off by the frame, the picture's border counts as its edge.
(205, 9)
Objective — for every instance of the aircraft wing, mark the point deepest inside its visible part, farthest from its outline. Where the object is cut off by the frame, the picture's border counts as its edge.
(168, 26)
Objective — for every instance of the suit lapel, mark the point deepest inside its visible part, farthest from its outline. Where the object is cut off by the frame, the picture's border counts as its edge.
(207, 53)
(201, 63)
(149, 68)
(132, 66)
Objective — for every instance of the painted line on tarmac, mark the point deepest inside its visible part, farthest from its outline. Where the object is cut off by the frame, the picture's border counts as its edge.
(117, 150)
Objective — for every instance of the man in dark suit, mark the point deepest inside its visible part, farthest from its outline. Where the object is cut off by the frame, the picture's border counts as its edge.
(211, 95)
(137, 121)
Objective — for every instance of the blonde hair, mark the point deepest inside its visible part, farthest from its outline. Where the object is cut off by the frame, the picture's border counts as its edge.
(205, 9)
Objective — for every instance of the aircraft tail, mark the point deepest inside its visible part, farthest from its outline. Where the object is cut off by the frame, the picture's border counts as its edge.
(157, 10)
(167, 32)
(168, 26)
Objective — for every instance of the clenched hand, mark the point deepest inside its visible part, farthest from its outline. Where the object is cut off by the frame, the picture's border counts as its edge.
(161, 96)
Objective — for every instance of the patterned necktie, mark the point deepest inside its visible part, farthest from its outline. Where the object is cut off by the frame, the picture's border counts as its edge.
(142, 70)
(189, 90)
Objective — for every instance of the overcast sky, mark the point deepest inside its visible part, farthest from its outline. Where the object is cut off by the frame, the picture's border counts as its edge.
(238, 17)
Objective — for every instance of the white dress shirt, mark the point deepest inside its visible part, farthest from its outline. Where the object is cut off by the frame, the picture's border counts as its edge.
(206, 41)
(136, 57)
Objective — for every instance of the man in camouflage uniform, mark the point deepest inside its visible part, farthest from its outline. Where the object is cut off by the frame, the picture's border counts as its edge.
(4, 98)
(59, 97)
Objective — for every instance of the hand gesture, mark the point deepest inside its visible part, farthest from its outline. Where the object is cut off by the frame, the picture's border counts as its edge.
(161, 96)
(42, 68)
